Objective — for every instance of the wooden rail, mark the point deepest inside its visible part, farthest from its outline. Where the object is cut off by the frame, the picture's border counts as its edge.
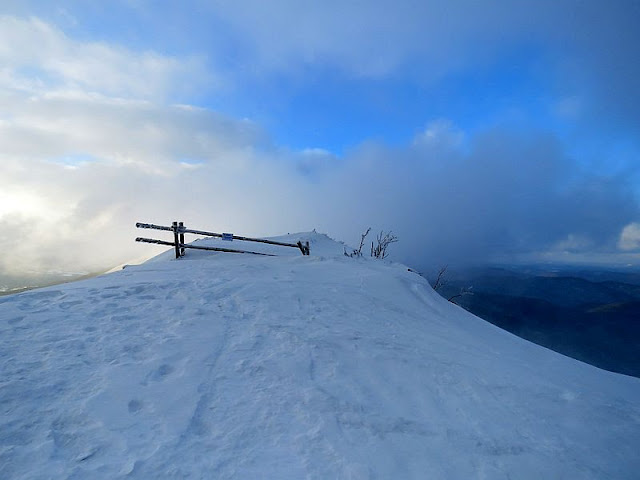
(198, 247)
(178, 243)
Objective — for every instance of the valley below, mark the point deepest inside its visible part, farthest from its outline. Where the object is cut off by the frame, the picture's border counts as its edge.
(591, 315)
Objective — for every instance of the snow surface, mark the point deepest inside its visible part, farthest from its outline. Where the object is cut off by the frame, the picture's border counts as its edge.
(239, 366)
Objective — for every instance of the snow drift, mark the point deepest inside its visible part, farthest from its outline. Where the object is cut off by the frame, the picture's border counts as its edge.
(237, 366)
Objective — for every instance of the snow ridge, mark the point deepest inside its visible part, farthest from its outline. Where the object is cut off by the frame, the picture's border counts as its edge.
(236, 366)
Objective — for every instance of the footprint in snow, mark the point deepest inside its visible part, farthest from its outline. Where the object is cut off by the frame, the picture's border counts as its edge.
(161, 373)
(135, 405)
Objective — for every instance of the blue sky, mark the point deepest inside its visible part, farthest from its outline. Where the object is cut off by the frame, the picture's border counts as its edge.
(475, 130)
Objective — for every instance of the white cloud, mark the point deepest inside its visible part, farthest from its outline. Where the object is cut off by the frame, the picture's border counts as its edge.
(630, 237)
(440, 134)
(89, 146)
(573, 243)
(56, 126)
(36, 55)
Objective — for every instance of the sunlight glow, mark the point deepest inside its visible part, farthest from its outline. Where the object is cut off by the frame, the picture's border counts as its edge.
(16, 203)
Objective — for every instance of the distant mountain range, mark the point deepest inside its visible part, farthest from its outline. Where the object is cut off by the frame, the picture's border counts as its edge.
(16, 283)
(587, 314)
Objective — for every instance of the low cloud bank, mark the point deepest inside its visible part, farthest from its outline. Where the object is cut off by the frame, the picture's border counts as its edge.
(449, 197)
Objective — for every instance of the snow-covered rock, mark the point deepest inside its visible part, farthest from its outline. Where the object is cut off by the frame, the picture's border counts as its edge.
(238, 366)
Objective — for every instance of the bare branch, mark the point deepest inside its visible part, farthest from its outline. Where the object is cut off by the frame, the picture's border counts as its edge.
(358, 252)
(362, 237)
(440, 280)
(463, 292)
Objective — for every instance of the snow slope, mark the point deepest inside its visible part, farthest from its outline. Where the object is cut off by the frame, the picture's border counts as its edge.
(238, 366)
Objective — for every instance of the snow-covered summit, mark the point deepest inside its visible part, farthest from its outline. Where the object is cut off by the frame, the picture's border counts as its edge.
(238, 366)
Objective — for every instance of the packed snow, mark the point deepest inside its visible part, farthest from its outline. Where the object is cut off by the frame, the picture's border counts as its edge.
(222, 365)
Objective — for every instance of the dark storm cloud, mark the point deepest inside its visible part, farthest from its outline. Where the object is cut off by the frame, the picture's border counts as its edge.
(500, 193)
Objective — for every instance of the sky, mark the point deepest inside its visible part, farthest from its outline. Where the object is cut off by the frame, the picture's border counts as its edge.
(475, 131)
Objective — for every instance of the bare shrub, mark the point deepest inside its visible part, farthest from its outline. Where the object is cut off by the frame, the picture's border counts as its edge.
(358, 252)
(377, 251)
(384, 240)
(441, 281)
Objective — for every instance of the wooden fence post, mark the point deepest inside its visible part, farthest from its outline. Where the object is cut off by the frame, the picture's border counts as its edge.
(176, 238)
(181, 226)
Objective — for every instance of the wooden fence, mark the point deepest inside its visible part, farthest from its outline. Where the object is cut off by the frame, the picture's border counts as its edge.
(179, 230)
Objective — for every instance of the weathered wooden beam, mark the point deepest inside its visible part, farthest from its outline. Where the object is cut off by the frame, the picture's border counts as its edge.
(198, 247)
(238, 237)
(154, 227)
